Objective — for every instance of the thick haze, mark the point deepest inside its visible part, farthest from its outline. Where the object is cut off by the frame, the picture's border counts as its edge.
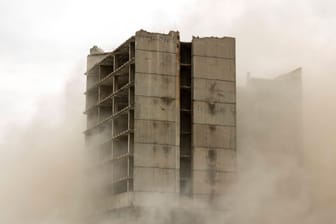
(43, 48)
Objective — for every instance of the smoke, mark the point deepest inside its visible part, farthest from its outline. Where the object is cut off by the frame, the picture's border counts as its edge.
(279, 180)
(42, 168)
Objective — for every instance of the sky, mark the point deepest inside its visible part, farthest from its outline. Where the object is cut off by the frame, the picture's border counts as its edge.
(43, 43)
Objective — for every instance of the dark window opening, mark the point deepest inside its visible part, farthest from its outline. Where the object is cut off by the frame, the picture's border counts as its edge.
(120, 146)
(185, 119)
(121, 59)
(105, 112)
(121, 80)
(185, 99)
(185, 76)
(120, 187)
(185, 168)
(105, 91)
(132, 50)
(105, 70)
(120, 124)
(121, 101)
(120, 169)
(185, 53)
(185, 146)
(185, 123)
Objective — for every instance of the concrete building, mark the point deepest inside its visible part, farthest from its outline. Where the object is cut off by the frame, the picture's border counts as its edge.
(270, 117)
(161, 120)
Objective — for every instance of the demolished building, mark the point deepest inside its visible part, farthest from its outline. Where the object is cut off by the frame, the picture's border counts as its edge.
(161, 120)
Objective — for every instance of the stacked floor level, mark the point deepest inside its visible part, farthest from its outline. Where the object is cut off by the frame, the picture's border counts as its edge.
(161, 119)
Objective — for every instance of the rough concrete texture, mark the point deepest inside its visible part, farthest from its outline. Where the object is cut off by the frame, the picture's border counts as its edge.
(160, 85)
(214, 68)
(214, 91)
(213, 136)
(155, 108)
(217, 158)
(214, 47)
(153, 62)
(156, 126)
(162, 156)
(214, 115)
(155, 132)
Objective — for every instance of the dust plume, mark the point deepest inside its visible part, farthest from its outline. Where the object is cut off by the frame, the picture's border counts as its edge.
(41, 171)
(42, 165)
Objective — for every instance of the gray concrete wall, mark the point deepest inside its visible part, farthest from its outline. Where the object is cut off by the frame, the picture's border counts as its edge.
(214, 116)
(156, 113)
(93, 59)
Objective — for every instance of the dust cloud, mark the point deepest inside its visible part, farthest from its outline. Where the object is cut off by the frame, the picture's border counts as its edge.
(42, 164)
(279, 180)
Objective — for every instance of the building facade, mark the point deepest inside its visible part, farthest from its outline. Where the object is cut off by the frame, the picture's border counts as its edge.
(270, 117)
(161, 120)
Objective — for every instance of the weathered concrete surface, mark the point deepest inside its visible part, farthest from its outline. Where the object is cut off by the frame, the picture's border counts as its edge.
(155, 108)
(214, 68)
(156, 41)
(155, 85)
(214, 47)
(154, 179)
(154, 62)
(214, 116)
(214, 113)
(156, 113)
(155, 132)
(214, 136)
(161, 156)
(214, 91)
(224, 159)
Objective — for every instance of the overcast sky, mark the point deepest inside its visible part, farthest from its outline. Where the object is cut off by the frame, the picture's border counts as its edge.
(44, 43)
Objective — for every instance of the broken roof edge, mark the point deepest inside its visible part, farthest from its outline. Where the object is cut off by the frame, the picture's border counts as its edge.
(108, 54)
(295, 73)
(147, 33)
(292, 74)
(116, 49)
(212, 37)
(144, 33)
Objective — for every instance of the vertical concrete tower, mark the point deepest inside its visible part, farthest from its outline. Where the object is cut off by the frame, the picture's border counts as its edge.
(161, 120)
(270, 117)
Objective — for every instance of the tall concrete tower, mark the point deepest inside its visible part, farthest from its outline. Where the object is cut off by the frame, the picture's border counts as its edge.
(161, 120)
(270, 116)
